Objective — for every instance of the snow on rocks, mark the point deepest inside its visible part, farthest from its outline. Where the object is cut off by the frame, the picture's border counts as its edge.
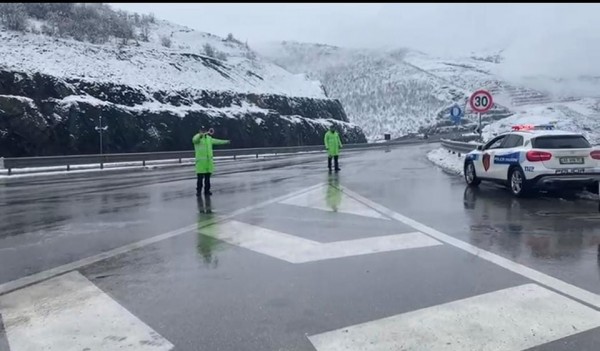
(149, 64)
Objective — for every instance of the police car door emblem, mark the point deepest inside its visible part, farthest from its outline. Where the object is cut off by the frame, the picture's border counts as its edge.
(486, 161)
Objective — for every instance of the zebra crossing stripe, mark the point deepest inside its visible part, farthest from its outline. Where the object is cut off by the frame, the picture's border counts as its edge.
(516, 318)
(70, 313)
(295, 249)
(332, 199)
(571, 290)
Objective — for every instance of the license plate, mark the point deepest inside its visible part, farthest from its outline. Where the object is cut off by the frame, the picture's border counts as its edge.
(571, 160)
(570, 171)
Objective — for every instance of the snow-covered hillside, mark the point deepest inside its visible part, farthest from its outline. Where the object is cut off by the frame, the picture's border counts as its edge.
(63, 67)
(182, 66)
(400, 91)
(380, 92)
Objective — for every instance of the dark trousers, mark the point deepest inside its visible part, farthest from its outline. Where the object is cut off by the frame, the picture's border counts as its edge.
(335, 162)
(206, 178)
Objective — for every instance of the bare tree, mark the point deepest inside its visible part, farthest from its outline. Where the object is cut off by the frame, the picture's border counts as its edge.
(94, 22)
(250, 55)
(209, 50)
(165, 41)
(220, 55)
(13, 16)
(145, 31)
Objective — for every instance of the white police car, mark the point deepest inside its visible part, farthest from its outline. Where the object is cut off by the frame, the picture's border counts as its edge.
(534, 157)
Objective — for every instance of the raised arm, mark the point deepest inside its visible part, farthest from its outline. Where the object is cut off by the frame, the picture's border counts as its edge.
(216, 141)
(196, 138)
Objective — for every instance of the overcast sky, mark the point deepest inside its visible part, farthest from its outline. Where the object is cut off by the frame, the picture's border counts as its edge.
(542, 37)
(431, 27)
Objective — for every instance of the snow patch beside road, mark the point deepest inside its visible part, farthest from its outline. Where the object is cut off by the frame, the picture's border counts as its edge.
(451, 163)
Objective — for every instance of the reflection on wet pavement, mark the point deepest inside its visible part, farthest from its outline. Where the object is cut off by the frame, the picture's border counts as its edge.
(334, 194)
(506, 222)
(207, 240)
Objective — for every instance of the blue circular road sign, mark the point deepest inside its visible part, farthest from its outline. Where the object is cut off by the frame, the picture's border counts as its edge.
(455, 111)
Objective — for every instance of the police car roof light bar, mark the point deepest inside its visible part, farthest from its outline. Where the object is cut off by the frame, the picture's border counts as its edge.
(533, 127)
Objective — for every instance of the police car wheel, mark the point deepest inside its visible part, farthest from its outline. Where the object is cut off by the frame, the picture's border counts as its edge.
(471, 175)
(517, 183)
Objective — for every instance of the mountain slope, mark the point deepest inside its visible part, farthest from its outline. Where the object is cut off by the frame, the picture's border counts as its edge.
(382, 93)
(183, 65)
(153, 94)
(406, 91)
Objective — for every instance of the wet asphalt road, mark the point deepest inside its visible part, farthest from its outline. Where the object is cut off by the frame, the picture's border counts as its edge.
(201, 290)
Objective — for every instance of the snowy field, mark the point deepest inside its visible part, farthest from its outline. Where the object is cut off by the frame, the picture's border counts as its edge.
(447, 161)
(182, 66)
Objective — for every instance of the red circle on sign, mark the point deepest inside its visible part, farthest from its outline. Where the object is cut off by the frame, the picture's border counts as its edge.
(481, 101)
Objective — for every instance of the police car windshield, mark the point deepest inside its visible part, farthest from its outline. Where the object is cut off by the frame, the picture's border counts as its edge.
(561, 142)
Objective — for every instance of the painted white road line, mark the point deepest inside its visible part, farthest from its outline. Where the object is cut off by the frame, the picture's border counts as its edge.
(295, 249)
(537, 276)
(37, 277)
(512, 319)
(70, 313)
(332, 199)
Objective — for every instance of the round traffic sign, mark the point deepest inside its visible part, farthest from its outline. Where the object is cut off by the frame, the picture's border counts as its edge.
(455, 111)
(481, 101)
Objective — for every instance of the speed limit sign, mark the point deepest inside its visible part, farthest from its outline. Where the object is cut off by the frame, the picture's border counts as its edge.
(481, 101)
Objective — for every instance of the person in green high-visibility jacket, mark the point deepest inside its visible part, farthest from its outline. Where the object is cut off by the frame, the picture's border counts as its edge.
(333, 144)
(203, 147)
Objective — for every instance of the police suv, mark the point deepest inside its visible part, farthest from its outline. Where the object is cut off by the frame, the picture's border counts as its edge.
(534, 157)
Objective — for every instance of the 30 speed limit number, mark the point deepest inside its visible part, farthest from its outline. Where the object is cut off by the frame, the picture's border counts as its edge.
(481, 101)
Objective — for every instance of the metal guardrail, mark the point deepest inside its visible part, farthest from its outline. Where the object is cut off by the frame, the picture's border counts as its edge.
(460, 147)
(11, 163)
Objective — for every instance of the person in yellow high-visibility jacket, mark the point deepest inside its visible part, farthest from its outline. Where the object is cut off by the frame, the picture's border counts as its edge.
(203, 147)
(333, 144)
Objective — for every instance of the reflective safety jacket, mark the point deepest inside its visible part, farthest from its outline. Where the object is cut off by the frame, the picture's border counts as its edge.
(203, 146)
(333, 144)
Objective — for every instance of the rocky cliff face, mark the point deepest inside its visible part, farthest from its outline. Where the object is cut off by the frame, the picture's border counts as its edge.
(44, 115)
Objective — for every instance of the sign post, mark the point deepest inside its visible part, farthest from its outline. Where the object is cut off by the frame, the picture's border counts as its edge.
(101, 129)
(481, 101)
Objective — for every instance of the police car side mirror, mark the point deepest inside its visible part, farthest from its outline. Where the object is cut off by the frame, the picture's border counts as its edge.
(479, 147)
